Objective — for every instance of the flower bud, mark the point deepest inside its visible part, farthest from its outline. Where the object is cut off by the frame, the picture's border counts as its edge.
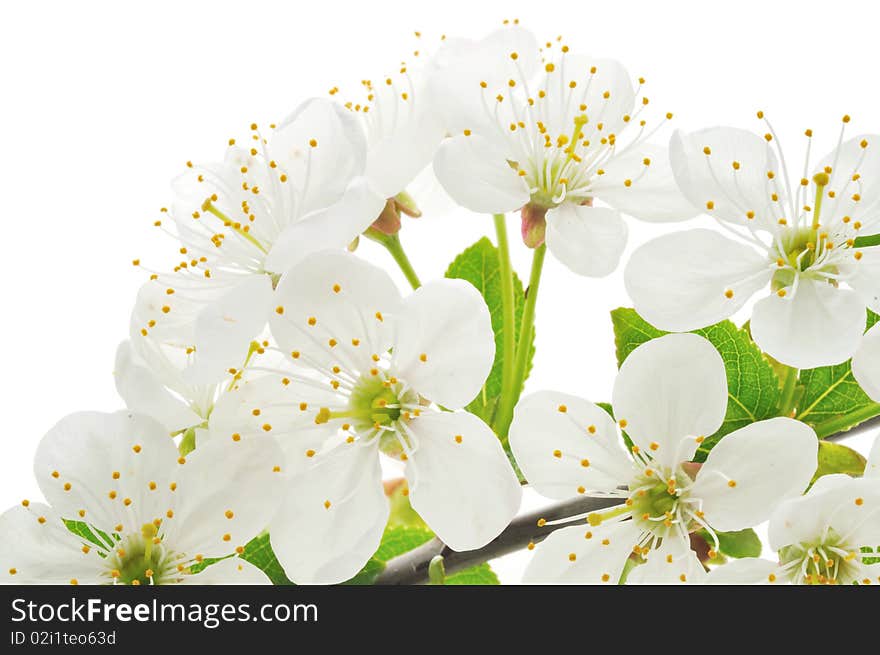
(534, 225)
(388, 222)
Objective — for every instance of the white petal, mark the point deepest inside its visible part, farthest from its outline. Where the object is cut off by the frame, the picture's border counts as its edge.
(599, 555)
(850, 507)
(321, 172)
(605, 87)
(866, 364)
(43, 552)
(225, 327)
(454, 74)
(863, 275)
(267, 405)
(461, 482)
(848, 160)
(652, 194)
(671, 391)
(565, 445)
(747, 571)
(162, 331)
(332, 517)
(221, 184)
(331, 227)
(402, 148)
(445, 345)
(872, 468)
(143, 393)
(733, 192)
(87, 449)
(588, 240)
(691, 279)
(230, 571)
(227, 491)
(356, 319)
(804, 518)
(673, 563)
(750, 471)
(818, 326)
(474, 170)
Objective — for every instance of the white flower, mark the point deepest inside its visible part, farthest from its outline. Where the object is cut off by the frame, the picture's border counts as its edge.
(154, 514)
(366, 368)
(670, 393)
(402, 133)
(800, 243)
(819, 536)
(401, 128)
(866, 363)
(546, 137)
(246, 220)
(157, 373)
(155, 369)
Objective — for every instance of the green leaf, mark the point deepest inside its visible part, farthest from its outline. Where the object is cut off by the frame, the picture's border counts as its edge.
(90, 534)
(868, 241)
(743, 543)
(258, 552)
(630, 332)
(868, 551)
(478, 264)
(831, 392)
(480, 574)
(399, 540)
(837, 458)
(752, 384)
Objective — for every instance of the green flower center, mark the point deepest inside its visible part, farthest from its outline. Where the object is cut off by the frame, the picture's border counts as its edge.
(659, 504)
(374, 401)
(825, 561)
(138, 560)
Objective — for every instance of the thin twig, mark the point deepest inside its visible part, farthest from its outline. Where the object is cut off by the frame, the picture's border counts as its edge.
(412, 567)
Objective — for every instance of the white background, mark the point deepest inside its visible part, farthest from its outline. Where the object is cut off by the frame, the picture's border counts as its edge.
(103, 103)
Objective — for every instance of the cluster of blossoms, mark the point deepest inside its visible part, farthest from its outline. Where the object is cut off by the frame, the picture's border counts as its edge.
(271, 370)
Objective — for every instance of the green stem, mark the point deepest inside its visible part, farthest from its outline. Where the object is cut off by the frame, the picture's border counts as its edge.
(391, 243)
(508, 329)
(523, 349)
(789, 385)
(847, 421)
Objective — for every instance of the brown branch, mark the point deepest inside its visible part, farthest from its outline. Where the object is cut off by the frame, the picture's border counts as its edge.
(412, 567)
